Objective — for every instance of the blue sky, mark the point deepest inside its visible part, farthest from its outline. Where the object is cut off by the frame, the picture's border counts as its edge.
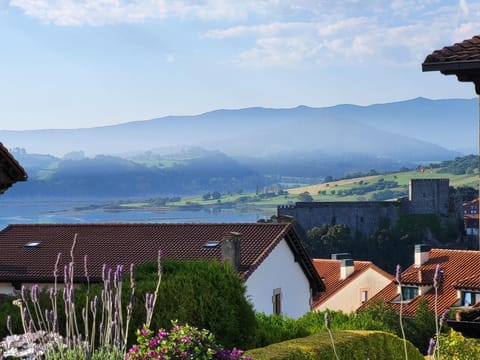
(73, 64)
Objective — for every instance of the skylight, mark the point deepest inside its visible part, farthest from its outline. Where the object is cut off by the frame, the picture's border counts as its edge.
(211, 244)
(32, 244)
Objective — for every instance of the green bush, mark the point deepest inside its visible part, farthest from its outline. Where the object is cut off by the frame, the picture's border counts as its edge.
(207, 295)
(454, 346)
(352, 345)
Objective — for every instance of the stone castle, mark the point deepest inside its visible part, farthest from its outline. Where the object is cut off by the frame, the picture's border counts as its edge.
(425, 196)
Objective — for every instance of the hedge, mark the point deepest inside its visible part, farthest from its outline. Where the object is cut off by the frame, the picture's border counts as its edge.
(349, 344)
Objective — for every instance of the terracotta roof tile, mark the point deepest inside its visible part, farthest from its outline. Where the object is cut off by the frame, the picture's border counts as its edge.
(472, 282)
(467, 50)
(329, 270)
(10, 170)
(115, 244)
(458, 266)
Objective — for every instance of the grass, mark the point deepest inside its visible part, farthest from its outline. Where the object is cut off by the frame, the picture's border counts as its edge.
(331, 189)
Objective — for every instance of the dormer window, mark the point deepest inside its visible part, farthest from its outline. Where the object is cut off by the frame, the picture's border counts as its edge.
(409, 292)
(470, 298)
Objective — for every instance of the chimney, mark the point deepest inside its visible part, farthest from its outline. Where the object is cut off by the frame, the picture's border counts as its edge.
(346, 268)
(341, 256)
(421, 254)
(231, 249)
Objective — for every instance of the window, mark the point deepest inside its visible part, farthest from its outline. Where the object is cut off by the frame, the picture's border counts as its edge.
(363, 296)
(470, 298)
(277, 301)
(409, 292)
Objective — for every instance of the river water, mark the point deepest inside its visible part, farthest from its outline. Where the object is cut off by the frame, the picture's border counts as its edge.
(67, 211)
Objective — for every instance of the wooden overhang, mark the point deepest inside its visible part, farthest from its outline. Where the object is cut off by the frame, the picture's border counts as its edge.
(461, 59)
(10, 170)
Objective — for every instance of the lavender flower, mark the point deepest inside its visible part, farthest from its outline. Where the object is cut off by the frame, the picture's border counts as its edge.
(431, 347)
(34, 293)
(85, 267)
(444, 317)
(23, 293)
(132, 276)
(398, 274)
(9, 324)
(104, 267)
(437, 277)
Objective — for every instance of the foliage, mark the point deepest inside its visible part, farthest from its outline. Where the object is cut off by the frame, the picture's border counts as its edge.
(305, 197)
(465, 193)
(182, 342)
(378, 316)
(328, 239)
(354, 345)
(454, 346)
(458, 166)
(205, 294)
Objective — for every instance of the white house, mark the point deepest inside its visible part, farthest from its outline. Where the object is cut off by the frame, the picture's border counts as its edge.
(279, 275)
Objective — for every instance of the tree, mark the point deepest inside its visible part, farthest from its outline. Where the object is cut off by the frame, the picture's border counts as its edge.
(305, 197)
(207, 196)
(216, 195)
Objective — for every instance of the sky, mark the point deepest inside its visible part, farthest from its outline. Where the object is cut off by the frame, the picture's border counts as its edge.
(87, 63)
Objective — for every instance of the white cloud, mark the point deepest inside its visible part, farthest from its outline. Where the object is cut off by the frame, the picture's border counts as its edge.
(464, 6)
(291, 32)
(102, 12)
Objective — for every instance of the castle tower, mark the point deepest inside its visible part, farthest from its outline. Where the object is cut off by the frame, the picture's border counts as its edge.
(429, 196)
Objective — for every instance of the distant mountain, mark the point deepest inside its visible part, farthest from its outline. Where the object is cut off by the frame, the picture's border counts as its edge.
(113, 177)
(414, 130)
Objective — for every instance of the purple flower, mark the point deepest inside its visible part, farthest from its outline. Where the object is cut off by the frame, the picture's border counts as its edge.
(144, 331)
(185, 339)
(9, 324)
(398, 274)
(431, 347)
(34, 293)
(437, 277)
(153, 342)
(444, 317)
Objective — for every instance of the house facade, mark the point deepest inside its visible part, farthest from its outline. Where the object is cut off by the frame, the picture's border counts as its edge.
(470, 219)
(458, 277)
(348, 283)
(269, 257)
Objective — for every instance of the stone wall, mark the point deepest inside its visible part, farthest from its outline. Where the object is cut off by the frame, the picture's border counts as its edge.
(426, 196)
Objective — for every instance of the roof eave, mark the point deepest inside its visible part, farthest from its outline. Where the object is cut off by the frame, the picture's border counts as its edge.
(452, 67)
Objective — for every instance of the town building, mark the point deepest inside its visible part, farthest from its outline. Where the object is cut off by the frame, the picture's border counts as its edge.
(270, 258)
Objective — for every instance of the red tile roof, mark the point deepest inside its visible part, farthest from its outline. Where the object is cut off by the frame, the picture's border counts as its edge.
(123, 244)
(472, 282)
(457, 266)
(329, 270)
(10, 170)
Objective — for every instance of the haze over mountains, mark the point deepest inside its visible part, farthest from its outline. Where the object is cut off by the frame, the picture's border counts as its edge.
(413, 130)
(241, 150)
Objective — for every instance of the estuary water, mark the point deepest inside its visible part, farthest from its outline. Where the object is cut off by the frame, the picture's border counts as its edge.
(77, 211)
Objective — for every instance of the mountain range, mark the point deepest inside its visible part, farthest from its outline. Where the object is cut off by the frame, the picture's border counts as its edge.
(241, 150)
(414, 130)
